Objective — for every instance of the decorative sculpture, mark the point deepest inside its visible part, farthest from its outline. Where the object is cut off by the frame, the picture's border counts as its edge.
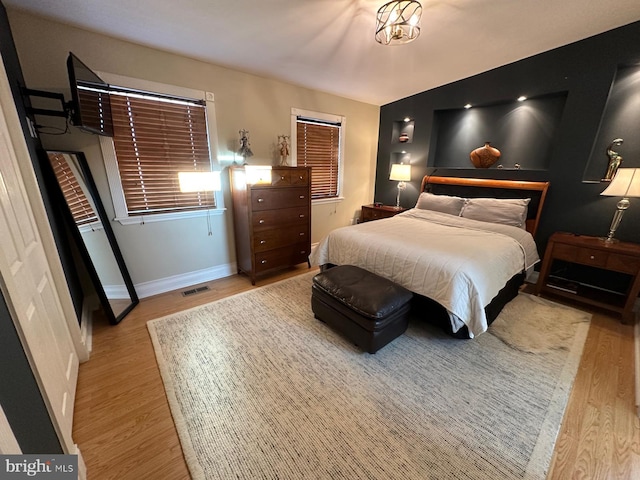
(244, 151)
(485, 156)
(283, 141)
(615, 160)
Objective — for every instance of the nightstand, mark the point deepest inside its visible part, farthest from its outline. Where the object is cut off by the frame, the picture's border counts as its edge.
(371, 212)
(622, 257)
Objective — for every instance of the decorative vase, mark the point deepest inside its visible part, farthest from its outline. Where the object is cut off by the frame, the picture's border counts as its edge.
(404, 137)
(484, 157)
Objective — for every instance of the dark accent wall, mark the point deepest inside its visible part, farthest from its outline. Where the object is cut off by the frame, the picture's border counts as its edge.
(583, 71)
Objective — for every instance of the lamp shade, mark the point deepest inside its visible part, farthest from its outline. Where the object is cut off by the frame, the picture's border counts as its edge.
(400, 172)
(626, 183)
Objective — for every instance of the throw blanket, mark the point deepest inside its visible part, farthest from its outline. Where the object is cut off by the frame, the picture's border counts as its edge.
(460, 263)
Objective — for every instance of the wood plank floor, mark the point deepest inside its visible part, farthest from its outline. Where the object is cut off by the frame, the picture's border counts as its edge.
(124, 428)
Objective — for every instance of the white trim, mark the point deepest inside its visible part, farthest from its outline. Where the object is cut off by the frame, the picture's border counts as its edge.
(321, 201)
(111, 162)
(327, 117)
(8, 443)
(163, 217)
(175, 282)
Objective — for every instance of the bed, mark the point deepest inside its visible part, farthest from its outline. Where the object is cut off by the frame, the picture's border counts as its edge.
(464, 249)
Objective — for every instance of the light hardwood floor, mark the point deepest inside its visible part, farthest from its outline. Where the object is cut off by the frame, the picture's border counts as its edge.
(124, 428)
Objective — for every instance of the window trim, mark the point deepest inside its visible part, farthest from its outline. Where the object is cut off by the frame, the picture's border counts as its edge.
(111, 163)
(327, 117)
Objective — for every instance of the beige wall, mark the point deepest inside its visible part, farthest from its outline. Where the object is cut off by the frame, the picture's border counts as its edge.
(156, 251)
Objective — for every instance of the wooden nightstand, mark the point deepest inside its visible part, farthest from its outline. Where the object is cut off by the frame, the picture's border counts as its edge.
(371, 212)
(623, 257)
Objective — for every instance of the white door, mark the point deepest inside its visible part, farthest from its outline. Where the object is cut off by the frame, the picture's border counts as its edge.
(26, 282)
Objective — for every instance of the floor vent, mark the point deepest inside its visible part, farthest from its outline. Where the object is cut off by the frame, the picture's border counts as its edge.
(193, 291)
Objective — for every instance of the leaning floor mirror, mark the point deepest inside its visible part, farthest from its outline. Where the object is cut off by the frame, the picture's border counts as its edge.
(94, 236)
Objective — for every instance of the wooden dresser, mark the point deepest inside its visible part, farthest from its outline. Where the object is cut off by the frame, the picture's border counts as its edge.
(272, 217)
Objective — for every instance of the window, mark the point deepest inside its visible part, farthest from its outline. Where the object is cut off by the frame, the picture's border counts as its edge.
(318, 144)
(157, 134)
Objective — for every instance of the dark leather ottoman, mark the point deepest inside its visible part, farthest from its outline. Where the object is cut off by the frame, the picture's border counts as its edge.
(369, 310)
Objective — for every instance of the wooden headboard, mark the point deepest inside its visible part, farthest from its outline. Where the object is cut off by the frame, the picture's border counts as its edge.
(481, 187)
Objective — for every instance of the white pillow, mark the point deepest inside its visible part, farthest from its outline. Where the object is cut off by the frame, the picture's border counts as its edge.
(440, 203)
(507, 211)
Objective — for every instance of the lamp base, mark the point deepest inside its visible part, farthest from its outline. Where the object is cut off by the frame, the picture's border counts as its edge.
(608, 240)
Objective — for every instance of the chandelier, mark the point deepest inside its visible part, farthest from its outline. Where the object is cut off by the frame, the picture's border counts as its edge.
(398, 22)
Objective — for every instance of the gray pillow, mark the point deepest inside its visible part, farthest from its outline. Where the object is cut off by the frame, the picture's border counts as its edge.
(440, 203)
(511, 211)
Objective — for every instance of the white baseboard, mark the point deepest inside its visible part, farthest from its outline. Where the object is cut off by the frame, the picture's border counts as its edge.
(175, 282)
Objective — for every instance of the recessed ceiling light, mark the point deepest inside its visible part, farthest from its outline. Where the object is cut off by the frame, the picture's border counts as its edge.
(522, 98)
(407, 119)
(467, 106)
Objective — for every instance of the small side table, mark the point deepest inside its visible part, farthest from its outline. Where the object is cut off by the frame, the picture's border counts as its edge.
(623, 257)
(371, 212)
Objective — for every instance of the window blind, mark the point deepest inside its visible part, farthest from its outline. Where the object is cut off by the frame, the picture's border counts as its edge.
(155, 137)
(81, 210)
(318, 147)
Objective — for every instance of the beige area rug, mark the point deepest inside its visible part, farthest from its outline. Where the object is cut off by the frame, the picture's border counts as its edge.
(259, 389)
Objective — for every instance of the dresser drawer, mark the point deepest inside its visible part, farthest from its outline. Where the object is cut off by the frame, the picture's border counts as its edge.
(299, 177)
(291, 255)
(264, 240)
(270, 198)
(267, 219)
(280, 177)
(594, 258)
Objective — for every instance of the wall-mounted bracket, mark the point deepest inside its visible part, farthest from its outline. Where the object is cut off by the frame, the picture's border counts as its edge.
(44, 111)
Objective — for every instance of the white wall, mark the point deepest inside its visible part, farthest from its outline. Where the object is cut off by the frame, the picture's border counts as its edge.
(175, 249)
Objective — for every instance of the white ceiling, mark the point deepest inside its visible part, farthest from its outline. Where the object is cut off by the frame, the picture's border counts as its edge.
(329, 45)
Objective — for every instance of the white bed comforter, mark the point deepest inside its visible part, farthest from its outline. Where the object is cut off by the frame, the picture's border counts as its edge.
(460, 263)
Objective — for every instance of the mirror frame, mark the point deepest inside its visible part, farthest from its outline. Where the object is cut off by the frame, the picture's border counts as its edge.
(85, 171)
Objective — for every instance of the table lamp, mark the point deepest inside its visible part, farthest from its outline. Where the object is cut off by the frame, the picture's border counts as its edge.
(625, 184)
(400, 173)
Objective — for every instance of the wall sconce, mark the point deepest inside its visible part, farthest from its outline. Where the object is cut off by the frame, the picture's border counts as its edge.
(625, 184)
(398, 22)
(400, 173)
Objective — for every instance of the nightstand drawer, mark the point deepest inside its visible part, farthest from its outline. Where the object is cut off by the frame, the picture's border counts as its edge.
(624, 264)
(564, 252)
(594, 258)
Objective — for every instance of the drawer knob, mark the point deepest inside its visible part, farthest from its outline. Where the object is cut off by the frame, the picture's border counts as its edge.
(282, 177)
(592, 257)
(261, 221)
(301, 196)
(263, 262)
(302, 234)
(302, 215)
(260, 200)
(303, 251)
(262, 242)
(301, 177)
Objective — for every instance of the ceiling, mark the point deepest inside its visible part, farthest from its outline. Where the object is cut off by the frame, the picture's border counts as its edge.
(329, 45)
